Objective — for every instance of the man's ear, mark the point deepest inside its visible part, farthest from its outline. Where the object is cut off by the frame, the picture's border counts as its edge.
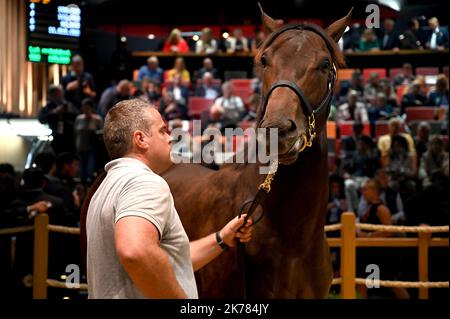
(337, 28)
(269, 24)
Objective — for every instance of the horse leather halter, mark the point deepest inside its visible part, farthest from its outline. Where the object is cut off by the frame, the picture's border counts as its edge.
(322, 110)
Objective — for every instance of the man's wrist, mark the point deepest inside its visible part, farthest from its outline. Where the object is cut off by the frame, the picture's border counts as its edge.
(220, 241)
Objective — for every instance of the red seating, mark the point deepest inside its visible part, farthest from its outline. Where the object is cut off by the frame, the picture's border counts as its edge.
(197, 105)
(427, 71)
(241, 83)
(445, 71)
(394, 72)
(381, 128)
(346, 128)
(345, 74)
(420, 113)
(381, 72)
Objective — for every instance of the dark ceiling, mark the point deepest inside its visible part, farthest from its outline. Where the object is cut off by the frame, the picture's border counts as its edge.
(223, 12)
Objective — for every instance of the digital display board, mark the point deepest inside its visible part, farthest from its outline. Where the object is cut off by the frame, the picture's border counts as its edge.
(54, 30)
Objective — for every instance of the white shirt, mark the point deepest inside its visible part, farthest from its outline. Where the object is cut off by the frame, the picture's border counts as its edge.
(433, 39)
(130, 188)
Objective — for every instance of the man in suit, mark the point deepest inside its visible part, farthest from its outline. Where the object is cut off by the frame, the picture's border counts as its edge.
(438, 36)
(409, 40)
(387, 36)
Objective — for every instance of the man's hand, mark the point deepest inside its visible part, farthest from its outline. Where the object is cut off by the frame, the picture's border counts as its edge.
(72, 85)
(230, 231)
(40, 207)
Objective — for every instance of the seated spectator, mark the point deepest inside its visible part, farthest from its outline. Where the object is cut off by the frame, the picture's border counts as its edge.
(175, 43)
(379, 109)
(233, 107)
(150, 91)
(369, 41)
(388, 90)
(207, 44)
(409, 40)
(88, 126)
(207, 89)
(388, 195)
(352, 38)
(47, 162)
(385, 142)
(213, 118)
(378, 213)
(401, 165)
(337, 204)
(207, 67)
(416, 94)
(364, 161)
(151, 71)
(179, 92)
(60, 115)
(355, 84)
(432, 161)
(422, 139)
(33, 179)
(406, 76)
(113, 95)
(237, 43)
(170, 109)
(260, 37)
(439, 96)
(64, 186)
(373, 86)
(387, 36)
(179, 68)
(438, 36)
(352, 110)
(251, 111)
(348, 143)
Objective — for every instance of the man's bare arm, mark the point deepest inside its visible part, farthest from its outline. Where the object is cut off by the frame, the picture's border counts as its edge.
(138, 249)
(205, 249)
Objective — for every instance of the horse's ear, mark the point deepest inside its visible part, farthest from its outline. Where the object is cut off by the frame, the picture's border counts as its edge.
(269, 23)
(337, 28)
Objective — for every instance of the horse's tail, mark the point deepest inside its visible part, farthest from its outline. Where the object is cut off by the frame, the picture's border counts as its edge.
(83, 217)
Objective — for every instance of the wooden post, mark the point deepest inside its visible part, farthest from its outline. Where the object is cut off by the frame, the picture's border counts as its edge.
(40, 258)
(348, 253)
(424, 240)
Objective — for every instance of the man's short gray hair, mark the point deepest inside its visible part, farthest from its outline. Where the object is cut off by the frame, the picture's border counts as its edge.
(121, 122)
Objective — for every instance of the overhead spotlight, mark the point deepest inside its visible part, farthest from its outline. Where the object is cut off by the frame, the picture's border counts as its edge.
(123, 39)
(195, 37)
(151, 36)
(225, 35)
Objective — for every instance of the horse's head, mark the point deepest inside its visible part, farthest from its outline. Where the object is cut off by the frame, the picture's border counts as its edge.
(297, 64)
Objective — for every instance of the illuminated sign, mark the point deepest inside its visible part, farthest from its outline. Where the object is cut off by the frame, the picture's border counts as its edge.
(54, 30)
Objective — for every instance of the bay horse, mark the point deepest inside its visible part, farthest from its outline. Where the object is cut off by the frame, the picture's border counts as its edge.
(288, 256)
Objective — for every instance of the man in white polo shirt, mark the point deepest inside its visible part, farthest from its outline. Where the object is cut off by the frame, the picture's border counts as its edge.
(136, 244)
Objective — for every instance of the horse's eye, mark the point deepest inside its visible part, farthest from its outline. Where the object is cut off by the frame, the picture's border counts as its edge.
(325, 65)
(263, 61)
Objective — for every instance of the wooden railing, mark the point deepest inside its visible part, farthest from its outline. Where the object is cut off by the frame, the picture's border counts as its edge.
(348, 242)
